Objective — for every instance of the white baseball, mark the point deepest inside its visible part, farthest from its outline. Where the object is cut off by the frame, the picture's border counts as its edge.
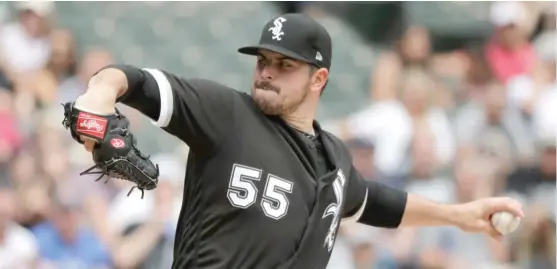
(505, 222)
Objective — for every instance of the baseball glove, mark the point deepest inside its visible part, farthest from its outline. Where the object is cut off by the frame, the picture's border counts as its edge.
(115, 153)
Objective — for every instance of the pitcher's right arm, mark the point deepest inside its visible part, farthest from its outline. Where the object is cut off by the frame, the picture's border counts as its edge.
(198, 111)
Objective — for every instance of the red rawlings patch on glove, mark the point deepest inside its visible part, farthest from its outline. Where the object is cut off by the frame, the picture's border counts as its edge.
(91, 125)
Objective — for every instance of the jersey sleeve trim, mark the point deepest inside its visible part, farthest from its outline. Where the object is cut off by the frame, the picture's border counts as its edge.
(359, 213)
(166, 97)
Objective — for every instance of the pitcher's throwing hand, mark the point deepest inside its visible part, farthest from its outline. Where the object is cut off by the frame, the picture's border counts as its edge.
(476, 216)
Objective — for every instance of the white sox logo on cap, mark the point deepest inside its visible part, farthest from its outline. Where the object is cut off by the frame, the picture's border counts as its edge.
(277, 29)
(296, 36)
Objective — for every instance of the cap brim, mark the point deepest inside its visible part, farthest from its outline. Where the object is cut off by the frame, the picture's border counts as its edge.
(255, 50)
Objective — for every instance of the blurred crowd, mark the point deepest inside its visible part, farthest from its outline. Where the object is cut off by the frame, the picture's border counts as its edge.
(50, 216)
(457, 126)
(451, 126)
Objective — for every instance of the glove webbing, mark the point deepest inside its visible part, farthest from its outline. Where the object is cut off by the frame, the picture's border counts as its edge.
(115, 174)
(123, 172)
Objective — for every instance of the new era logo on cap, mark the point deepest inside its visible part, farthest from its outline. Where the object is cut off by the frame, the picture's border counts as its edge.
(318, 56)
(296, 36)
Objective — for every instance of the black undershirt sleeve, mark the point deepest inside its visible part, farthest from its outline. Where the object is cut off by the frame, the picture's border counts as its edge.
(373, 203)
(384, 206)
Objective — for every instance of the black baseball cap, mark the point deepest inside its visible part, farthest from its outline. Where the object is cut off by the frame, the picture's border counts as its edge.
(296, 36)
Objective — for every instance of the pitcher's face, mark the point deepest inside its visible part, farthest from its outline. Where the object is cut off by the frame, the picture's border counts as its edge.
(280, 84)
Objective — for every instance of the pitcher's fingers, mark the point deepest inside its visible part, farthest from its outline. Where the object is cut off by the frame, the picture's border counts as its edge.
(495, 234)
(89, 145)
(491, 231)
(508, 204)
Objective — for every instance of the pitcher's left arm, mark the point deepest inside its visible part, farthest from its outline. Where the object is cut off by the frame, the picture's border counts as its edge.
(372, 203)
(376, 204)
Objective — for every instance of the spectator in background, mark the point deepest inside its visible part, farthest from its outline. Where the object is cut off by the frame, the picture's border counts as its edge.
(534, 91)
(66, 242)
(51, 152)
(145, 228)
(535, 247)
(391, 123)
(387, 125)
(423, 180)
(509, 52)
(417, 97)
(18, 247)
(445, 247)
(59, 170)
(354, 245)
(477, 78)
(536, 185)
(544, 123)
(24, 44)
(33, 201)
(491, 127)
(63, 59)
(76, 84)
(61, 65)
(31, 175)
(412, 50)
(5, 83)
(10, 136)
(546, 22)
(535, 243)
(23, 166)
(362, 151)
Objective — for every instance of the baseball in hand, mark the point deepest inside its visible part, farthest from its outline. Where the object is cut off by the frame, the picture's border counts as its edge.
(505, 222)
